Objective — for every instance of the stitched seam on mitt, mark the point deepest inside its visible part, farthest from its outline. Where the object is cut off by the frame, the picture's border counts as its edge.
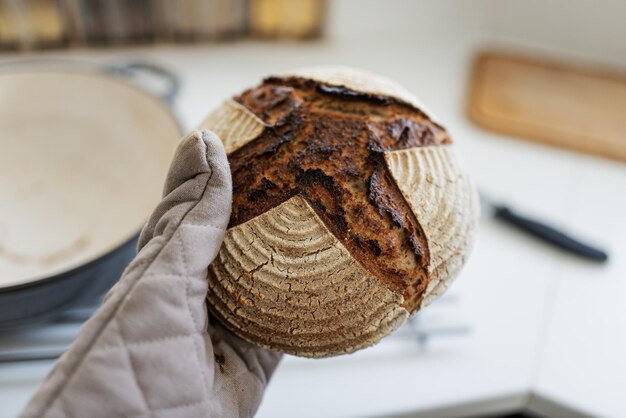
(181, 406)
(63, 408)
(195, 343)
(132, 368)
(193, 319)
(142, 342)
(204, 226)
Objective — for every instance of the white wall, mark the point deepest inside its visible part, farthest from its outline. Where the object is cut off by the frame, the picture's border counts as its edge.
(422, 20)
(589, 28)
(593, 29)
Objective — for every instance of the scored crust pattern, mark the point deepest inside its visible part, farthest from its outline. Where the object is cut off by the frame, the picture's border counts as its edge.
(234, 124)
(350, 211)
(314, 298)
(440, 192)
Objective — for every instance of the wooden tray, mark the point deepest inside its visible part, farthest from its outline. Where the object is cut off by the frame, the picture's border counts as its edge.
(558, 104)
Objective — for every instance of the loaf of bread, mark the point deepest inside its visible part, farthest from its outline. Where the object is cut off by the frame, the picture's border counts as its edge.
(350, 211)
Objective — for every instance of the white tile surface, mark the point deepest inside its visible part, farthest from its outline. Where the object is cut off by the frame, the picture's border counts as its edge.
(584, 364)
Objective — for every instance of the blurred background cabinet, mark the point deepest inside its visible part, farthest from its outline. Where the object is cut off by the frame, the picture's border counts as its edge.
(36, 24)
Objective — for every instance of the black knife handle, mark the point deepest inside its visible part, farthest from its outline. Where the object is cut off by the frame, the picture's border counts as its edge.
(549, 234)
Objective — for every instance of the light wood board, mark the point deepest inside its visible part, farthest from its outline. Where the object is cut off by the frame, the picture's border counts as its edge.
(558, 104)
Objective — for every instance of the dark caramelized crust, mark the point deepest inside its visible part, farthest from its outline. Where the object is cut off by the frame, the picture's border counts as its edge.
(326, 143)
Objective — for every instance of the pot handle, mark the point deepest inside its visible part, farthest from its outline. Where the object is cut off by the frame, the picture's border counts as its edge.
(135, 70)
(130, 71)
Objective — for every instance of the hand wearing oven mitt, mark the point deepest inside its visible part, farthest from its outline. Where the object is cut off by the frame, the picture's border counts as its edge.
(149, 351)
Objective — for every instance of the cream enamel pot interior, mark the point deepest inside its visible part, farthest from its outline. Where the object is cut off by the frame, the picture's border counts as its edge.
(83, 157)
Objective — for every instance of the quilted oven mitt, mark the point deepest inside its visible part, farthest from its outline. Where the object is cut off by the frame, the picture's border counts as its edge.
(150, 350)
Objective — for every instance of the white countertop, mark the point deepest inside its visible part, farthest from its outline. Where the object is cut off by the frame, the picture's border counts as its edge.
(545, 331)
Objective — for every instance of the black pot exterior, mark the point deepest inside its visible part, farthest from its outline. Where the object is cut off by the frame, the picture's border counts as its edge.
(47, 299)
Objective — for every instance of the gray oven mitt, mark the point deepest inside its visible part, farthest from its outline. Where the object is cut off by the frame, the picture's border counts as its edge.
(148, 351)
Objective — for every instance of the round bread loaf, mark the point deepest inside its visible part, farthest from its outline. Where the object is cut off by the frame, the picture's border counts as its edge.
(350, 211)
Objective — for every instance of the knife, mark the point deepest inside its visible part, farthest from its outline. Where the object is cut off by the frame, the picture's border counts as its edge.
(545, 232)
